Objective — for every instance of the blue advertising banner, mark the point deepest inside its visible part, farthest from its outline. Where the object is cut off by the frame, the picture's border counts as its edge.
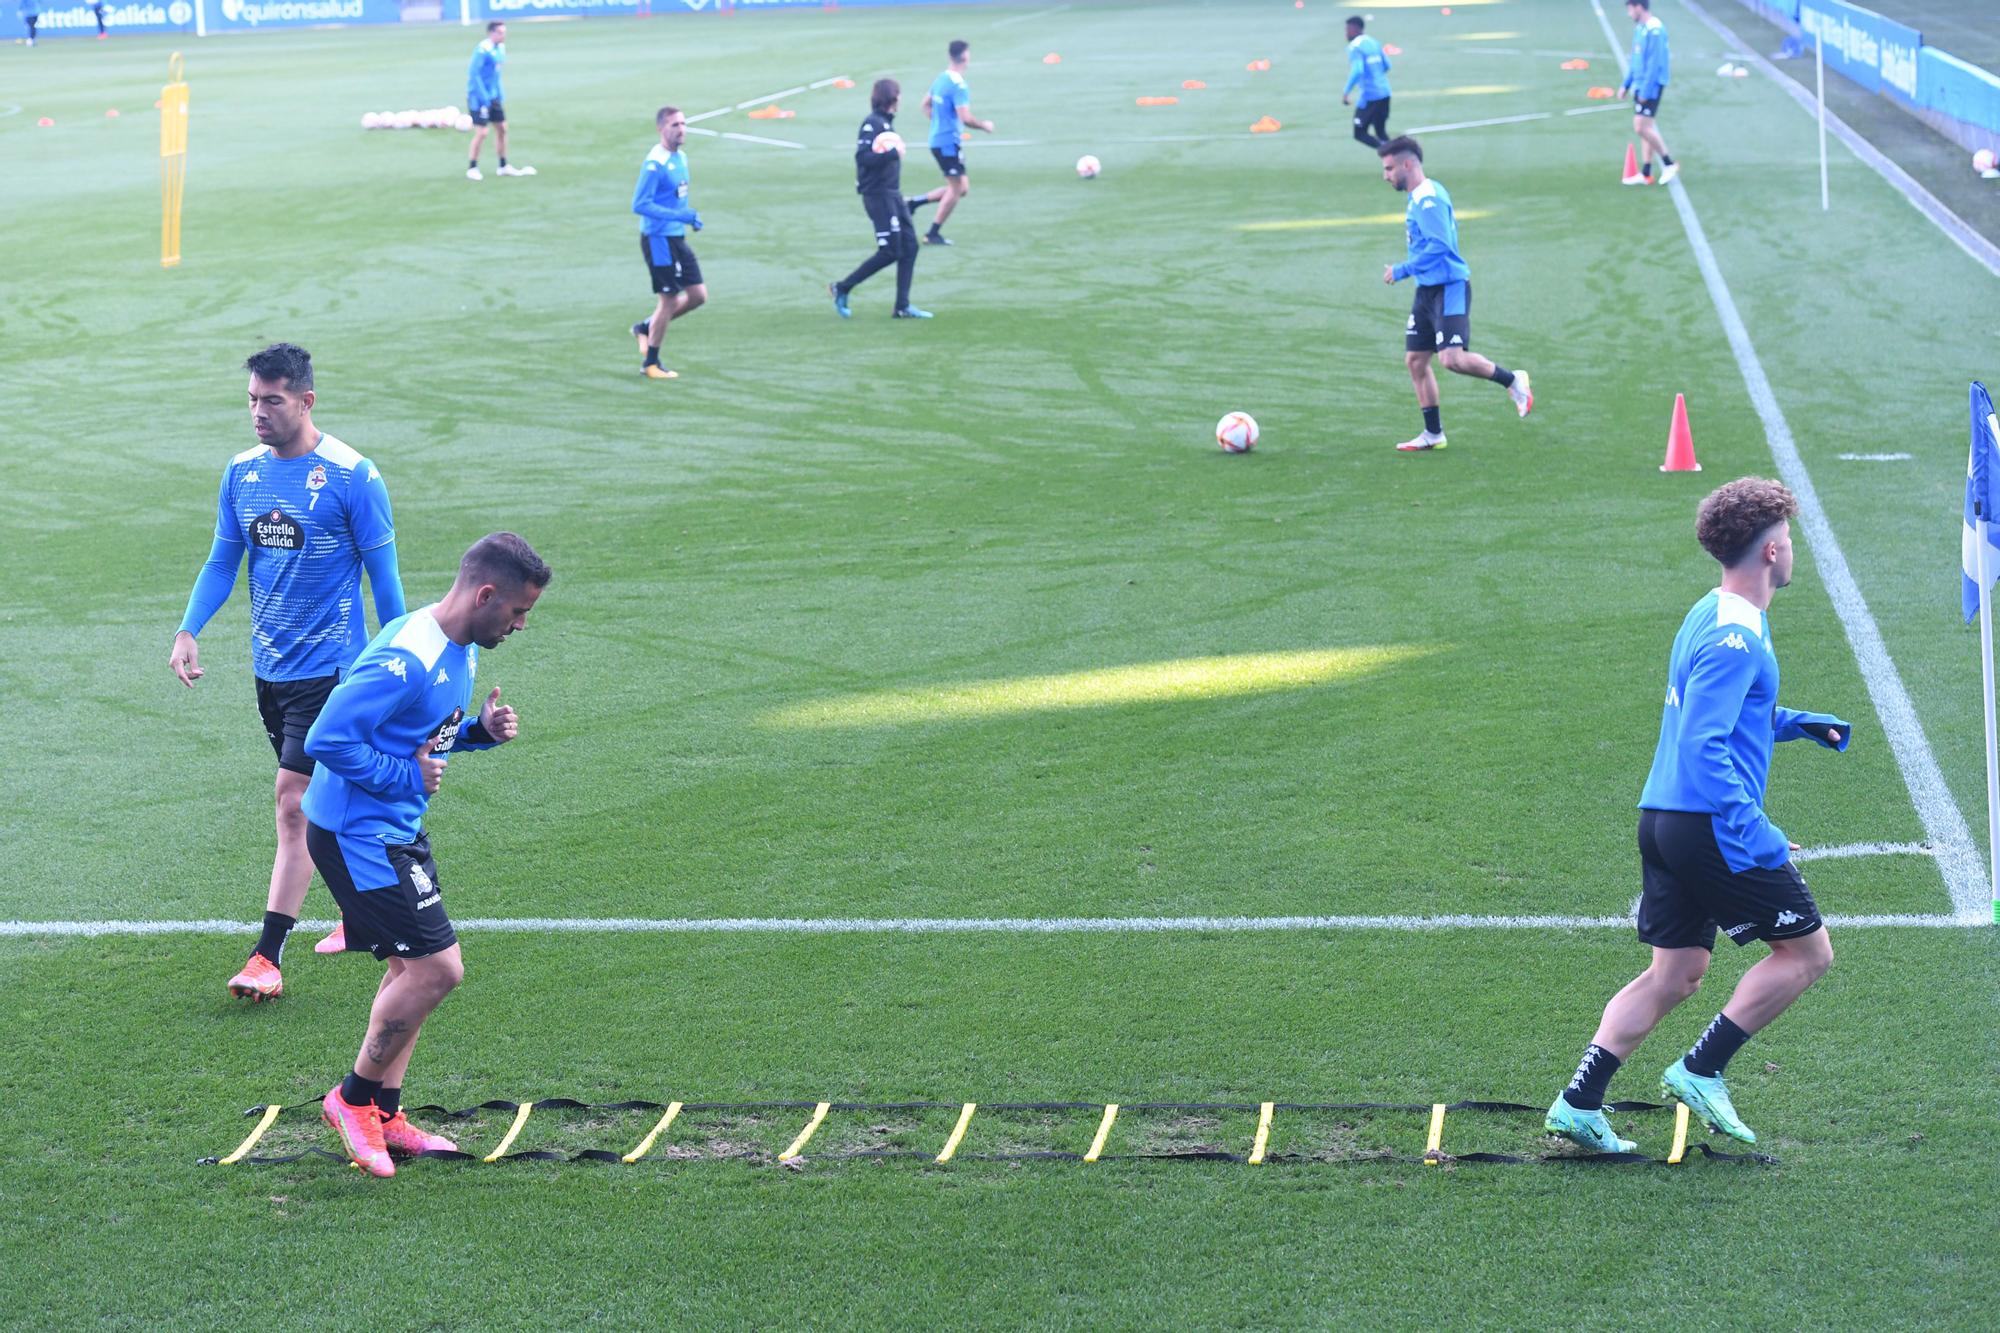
(67, 18)
(1951, 87)
(501, 9)
(1879, 54)
(240, 15)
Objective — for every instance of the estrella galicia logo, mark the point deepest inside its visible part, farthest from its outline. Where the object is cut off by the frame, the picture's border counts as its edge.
(277, 531)
(447, 733)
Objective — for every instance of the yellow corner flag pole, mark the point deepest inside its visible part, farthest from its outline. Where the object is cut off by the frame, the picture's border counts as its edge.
(173, 159)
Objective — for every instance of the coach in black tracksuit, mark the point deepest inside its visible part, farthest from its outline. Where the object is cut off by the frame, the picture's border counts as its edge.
(878, 179)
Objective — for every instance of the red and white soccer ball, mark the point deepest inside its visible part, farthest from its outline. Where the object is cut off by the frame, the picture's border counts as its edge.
(1236, 433)
(1985, 162)
(888, 141)
(1088, 166)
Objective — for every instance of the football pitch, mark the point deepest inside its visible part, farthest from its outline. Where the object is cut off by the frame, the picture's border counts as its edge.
(928, 712)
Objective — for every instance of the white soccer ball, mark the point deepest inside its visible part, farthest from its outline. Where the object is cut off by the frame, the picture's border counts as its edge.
(1236, 433)
(1088, 166)
(371, 120)
(405, 119)
(1984, 161)
(1726, 70)
(888, 141)
(464, 124)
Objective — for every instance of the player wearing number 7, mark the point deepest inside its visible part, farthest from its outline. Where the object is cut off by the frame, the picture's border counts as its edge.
(1710, 855)
(381, 743)
(310, 514)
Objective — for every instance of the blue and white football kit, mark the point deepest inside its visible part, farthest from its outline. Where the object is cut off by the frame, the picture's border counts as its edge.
(1441, 313)
(948, 94)
(411, 688)
(309, 526)
(1646, 76)
(483, 97)
(1368, 70)
(660, 197)
(1710, 852)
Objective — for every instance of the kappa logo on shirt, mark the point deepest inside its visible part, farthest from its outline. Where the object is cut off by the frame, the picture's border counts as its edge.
(250, 476)
(1673, 697)
(1736, 641)
(441, 677)
(394, 666)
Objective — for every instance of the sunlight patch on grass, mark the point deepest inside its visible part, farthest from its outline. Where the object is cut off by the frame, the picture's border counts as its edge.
(1103, 687)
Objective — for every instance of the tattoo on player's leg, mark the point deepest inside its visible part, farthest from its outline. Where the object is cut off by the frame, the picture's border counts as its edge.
(379, 1043)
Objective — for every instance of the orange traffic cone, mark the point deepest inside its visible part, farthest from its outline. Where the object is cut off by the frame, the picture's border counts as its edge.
(1680, 443)
(1631, 165)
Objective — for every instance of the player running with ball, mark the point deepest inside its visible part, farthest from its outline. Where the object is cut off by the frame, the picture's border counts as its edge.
(1441, 315)
(381, 742)
(1710, 854)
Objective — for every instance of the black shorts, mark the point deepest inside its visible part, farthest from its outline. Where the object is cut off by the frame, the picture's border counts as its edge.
(1434, 324)
(951, 164)
(1647, 106)
(289, 708)
(682, 269)
(490, 114)
(1372, 118)
(1690, 889)
(895, 227)
(402, 920)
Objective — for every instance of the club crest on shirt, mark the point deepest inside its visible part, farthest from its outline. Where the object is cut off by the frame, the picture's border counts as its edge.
(277, 531)
(317, 477)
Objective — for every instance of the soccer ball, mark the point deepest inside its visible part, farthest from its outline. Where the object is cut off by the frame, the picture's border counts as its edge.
(888, 141)
(1236, 433)
(1984, 161)
(1088, 166)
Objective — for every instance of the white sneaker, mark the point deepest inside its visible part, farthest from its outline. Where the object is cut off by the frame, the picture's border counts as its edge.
(517, 171)
(472, 174)
(1634, 180)
(1668, 172)
(1522, 394)
(1423, 442)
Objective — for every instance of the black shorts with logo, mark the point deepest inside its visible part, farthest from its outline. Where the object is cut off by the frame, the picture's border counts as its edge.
(1690, 889)
(402, 920)
(681, 270)
(289, 708)
(1647, 106)
(895, 228)
(490, 114)
(1432, 330)
(951, 164)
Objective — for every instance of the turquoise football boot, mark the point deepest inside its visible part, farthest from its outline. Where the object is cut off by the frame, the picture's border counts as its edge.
(1588, 1129)
(1706, 1097)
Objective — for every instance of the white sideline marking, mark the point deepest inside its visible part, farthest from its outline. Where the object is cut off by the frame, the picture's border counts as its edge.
(1958, 859)
(1874, 458)
(1480, 124)
(1593, 110)
(825, 83)
(758, 138)
(768, 97)
(1864, 849)
(1004, 925)
(1037, 14)
(1951, 224)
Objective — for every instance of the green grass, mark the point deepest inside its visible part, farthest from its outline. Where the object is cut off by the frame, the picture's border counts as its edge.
(1025, 487)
